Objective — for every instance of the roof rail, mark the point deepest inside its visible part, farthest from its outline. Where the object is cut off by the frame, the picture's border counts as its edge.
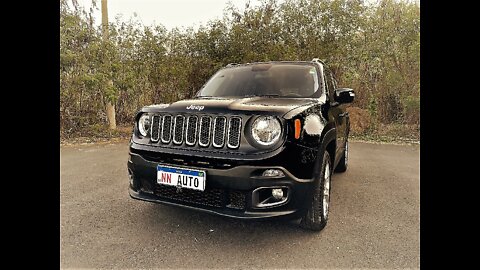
(232, 64)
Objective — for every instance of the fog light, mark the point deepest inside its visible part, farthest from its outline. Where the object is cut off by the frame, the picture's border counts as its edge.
(273, 173)
(277, 193)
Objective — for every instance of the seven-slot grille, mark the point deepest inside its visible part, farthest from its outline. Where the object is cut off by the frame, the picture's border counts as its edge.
(233, 136)
(191, 130)
(155, 128)
(219, 131)
(178, 129)
(166, 128)
(205, 126)
(216, 131)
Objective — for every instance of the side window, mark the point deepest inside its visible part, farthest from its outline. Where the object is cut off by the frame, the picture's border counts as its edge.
(330, 83)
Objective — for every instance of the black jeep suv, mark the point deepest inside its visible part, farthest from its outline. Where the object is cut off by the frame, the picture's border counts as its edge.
(259, 140)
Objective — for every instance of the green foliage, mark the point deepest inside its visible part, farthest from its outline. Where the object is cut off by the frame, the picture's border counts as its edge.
(373, 107)
(412, 109)
(373, 48)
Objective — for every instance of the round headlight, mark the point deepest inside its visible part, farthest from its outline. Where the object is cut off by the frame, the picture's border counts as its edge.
(144, 124)
(266, 130)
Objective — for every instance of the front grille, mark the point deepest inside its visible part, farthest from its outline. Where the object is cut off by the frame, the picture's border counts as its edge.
(155, 128)
(166, 128)
(219, 132)
(178, 129)
(234, 127)
(191, 130)
(237, 200)
(216, 131)
(205, 126)
(218, 198)
(213, 197)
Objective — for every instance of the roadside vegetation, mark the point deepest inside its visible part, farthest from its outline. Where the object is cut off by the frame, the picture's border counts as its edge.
(373, 48)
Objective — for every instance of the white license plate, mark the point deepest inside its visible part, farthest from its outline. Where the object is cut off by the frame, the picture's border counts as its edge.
(180, 177)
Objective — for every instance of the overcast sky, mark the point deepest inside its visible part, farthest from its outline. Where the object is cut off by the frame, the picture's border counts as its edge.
(169, 13)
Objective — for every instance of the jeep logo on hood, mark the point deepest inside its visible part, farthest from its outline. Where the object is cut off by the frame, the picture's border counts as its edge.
(195, 107)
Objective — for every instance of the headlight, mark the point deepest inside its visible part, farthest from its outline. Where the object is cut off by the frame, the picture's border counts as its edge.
(266, 130)
(144, 124)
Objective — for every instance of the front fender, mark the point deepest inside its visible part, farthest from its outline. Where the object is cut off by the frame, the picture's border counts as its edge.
(329, 136)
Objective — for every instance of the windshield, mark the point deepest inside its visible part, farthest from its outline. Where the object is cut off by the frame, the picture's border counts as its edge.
(283, 80)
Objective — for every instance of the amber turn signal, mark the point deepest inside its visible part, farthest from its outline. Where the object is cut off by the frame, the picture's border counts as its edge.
(298, 128)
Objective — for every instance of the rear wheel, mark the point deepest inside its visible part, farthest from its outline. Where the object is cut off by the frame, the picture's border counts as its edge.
(317, 213)
(343, 163)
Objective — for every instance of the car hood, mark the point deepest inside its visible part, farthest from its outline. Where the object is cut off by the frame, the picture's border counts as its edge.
(251, 105)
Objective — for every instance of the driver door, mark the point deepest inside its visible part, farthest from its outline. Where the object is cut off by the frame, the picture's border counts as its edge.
(337, 113)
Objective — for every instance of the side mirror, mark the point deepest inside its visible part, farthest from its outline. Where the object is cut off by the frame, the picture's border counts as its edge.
(344, 95)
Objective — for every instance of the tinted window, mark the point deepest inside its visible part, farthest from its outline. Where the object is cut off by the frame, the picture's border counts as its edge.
(285, 80)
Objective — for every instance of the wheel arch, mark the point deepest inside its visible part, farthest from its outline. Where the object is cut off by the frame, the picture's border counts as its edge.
(328, 143)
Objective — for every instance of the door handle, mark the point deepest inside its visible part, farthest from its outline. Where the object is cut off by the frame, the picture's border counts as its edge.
(343, 114)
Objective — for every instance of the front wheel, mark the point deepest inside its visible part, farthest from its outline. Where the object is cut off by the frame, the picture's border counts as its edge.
(343, 163)
(317, 213)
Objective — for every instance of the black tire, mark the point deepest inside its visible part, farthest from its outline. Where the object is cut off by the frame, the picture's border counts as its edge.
(314, 218)
(343, 163)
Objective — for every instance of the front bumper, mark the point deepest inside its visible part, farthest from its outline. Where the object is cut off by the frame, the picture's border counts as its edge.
(223, 186)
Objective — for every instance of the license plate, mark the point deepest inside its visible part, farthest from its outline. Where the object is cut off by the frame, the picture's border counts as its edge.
(181, 177)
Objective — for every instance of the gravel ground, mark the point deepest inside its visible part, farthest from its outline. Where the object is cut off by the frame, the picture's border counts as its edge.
(374, 219)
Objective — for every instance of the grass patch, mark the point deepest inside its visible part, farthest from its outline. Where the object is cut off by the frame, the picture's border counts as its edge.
(390, 133)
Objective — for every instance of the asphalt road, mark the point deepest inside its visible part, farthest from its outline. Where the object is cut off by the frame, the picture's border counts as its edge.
(374, 219)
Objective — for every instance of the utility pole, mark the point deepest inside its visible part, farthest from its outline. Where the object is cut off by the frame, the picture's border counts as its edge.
(110, 106)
